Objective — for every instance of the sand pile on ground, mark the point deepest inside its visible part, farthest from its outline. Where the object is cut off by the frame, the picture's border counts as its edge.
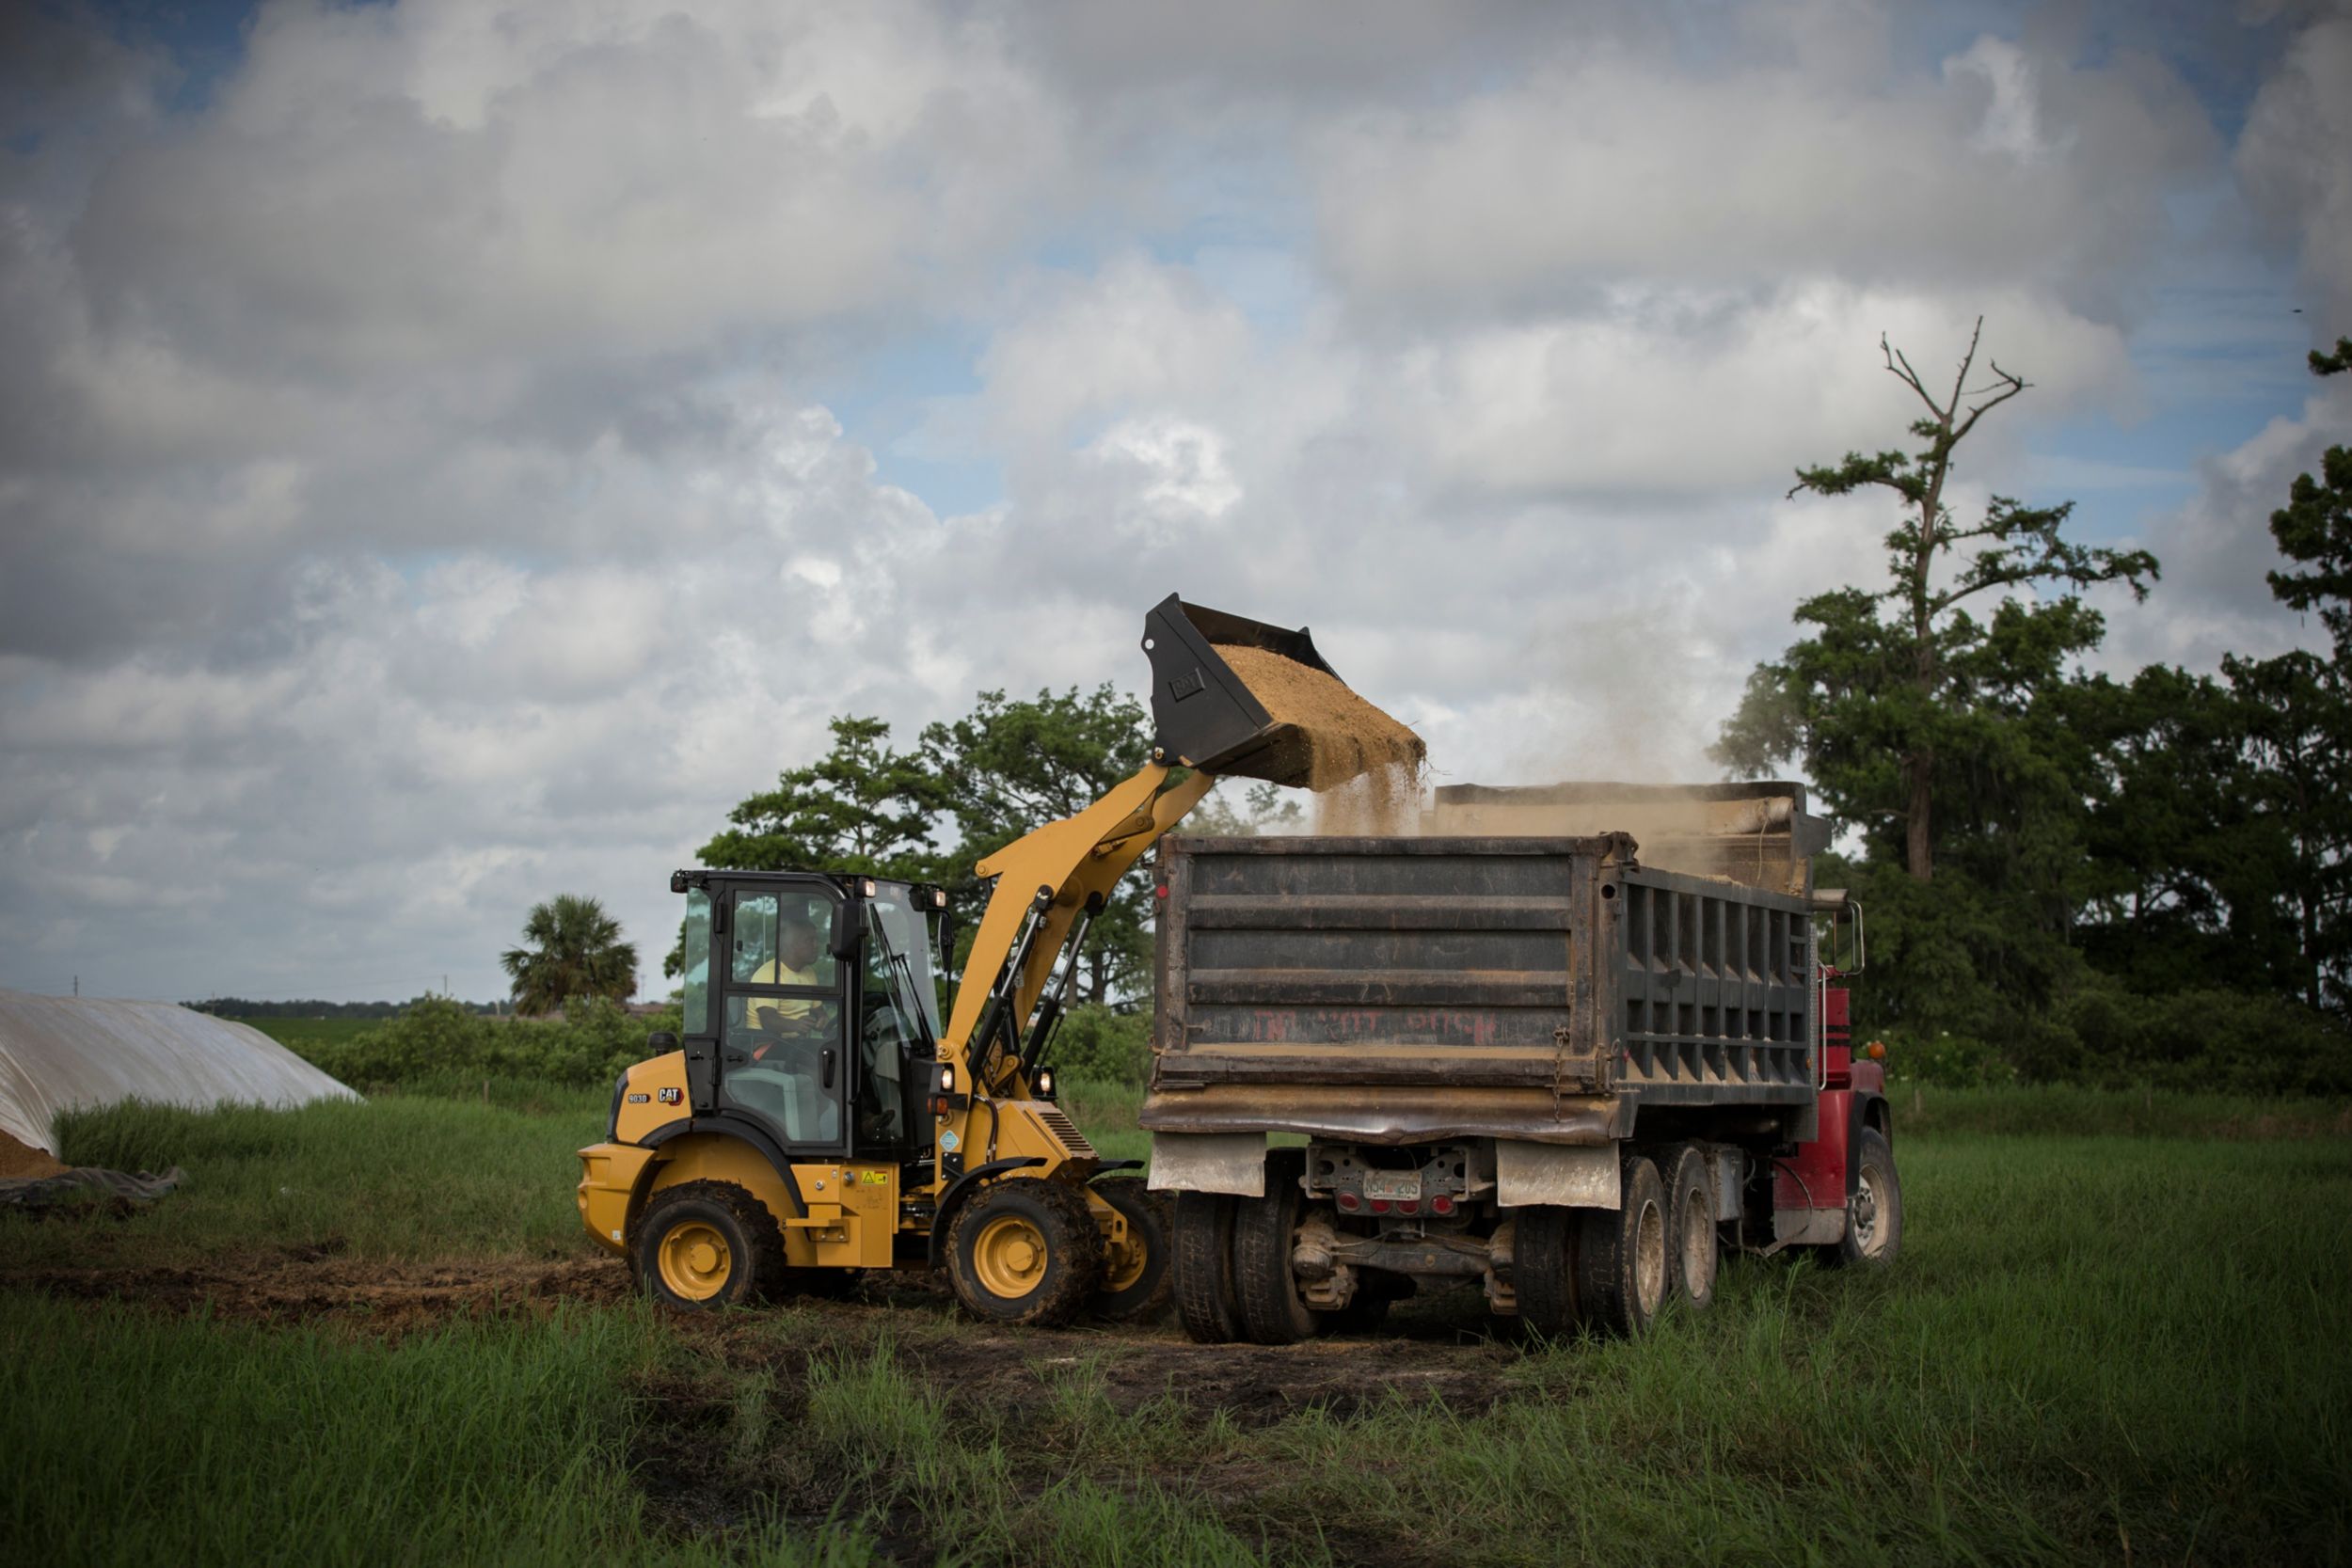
(1332, 734)
(22, 1162)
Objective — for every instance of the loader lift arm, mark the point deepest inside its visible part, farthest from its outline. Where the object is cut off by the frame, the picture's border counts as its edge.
(1046, 882)
(1207, 724)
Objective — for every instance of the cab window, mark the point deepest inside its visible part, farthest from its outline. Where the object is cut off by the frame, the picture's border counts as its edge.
(780, 938)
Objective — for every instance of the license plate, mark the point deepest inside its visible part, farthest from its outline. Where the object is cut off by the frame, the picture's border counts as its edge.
(1392, 1185)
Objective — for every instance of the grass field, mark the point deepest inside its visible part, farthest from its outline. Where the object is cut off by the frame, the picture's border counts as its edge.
(371, 1332)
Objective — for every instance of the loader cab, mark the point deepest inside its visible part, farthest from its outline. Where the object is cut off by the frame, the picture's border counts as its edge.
(810, 1008)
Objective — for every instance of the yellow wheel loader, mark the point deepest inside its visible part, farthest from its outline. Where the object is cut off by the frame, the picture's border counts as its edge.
(813, 1118)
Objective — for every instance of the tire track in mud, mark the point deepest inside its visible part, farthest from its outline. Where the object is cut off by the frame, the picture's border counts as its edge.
(303, 1284)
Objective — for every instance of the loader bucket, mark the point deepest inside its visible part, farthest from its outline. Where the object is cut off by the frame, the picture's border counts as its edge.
(1208, 718)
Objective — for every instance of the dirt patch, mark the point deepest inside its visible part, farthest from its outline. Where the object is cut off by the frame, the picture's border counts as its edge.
(21, 1162)
(1330, 734)
(300, 1284)
(1254, 1386)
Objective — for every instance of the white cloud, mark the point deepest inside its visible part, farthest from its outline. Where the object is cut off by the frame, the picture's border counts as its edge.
(423, 487)
(1612, 164)
(2294, 166)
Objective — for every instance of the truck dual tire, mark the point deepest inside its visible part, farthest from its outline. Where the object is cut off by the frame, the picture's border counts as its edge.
(1691, 1232)
(1624, 1263)
(1026, 1250)
(1272, 1310)
(1543, 1269)
(1204, 1256)
(702, 1246)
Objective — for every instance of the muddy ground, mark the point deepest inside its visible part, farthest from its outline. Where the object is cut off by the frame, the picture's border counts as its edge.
(687, 1456)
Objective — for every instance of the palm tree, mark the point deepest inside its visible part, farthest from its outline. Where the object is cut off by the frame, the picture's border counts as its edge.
(574, 949)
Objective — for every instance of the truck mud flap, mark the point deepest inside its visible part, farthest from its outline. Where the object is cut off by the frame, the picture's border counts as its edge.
(1208, 1163)
(1565, 1176)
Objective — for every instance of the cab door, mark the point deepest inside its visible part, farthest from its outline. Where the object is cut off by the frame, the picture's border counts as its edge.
(785, 1013)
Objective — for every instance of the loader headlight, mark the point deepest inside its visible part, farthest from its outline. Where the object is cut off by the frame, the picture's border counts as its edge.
(946, 1077)
(1045, 1082)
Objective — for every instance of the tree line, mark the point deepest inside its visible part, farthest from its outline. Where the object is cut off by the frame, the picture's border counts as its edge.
(2070, 874)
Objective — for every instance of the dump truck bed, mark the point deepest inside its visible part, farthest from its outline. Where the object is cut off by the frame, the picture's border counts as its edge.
(1411, 988)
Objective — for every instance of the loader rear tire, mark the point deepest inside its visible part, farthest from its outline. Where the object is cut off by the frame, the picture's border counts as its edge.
(1624, 1261)
(1026, 1250)
(1691, 1227)
(1543, 1269)
(1203, 1260)
(1272, 1310)
(701, 1245)
(1136, 1288)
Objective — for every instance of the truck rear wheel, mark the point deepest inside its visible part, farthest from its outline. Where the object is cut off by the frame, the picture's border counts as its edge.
(1543, 1268)
(1272, 1310)
(701, 1245)
(1203, 1258)
(1026, 1250)
(1624, 1265)
(1136, 1277)
(1691, 1227)
(1874, 1215)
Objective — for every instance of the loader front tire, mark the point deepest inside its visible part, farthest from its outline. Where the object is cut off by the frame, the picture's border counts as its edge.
(701, 1245)
(1026, 1250)
(1137, 1277)
(1272, 1310)
(1625, 1257)
(1204, 1257)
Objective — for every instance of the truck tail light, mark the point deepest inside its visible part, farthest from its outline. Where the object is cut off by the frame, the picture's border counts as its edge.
(1441, 1205)
(1347, 1201)
(1408, 1206)
(1379, 1204)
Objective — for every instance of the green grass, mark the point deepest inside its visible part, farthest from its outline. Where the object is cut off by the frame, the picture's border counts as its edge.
(2103, 1342)
(2130, 1113)
(133, 1439)
(397, 1177)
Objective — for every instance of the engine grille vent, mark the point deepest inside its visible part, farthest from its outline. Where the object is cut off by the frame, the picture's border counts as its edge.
(1066, 1129)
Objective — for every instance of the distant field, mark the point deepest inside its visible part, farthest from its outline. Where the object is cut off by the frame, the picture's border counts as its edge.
(374, 1332)
(296, 1033)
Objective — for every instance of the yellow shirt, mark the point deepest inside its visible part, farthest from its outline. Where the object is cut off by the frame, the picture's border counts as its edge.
(777, 973)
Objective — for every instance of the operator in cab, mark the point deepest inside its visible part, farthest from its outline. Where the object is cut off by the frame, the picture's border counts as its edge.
(800, 961)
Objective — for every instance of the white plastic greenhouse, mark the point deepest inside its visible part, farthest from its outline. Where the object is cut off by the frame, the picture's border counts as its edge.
(59, 1053)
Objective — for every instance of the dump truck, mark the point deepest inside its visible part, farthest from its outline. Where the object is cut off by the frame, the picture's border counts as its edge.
(1520, 1049)
(815, 1115)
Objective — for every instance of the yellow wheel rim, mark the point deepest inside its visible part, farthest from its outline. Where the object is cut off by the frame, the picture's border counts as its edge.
(1009, 1255)
(1127, 1259)
(696, 1262)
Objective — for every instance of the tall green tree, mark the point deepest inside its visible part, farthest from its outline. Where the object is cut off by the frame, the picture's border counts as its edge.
(1010, 765)
(2315, 529)
(2221, 834)
(572, 948)
(862, 807)
(1886, 704)
(2304, 736)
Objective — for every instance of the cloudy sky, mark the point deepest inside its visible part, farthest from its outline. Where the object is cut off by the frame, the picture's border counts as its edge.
(452, 451)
